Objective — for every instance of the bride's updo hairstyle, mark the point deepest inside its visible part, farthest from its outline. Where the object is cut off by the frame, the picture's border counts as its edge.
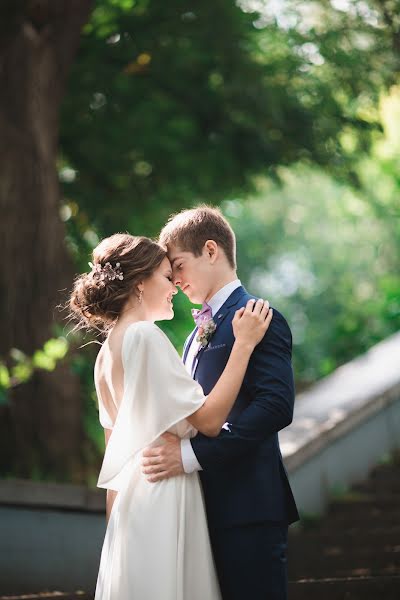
(119, 264)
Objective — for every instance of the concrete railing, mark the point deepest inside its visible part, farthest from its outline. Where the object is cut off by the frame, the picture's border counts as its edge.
(344, 425)
(51, 534)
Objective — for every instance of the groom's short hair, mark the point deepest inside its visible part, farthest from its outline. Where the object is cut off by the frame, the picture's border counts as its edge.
(191, 228)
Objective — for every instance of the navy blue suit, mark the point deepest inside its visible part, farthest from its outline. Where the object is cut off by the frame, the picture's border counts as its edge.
(247, 493)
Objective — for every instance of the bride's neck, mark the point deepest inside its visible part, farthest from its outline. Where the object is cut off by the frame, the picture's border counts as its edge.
(133, 312)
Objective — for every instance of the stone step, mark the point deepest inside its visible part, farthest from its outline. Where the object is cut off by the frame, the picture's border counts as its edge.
(353, 521)
(365, 588)
(49, 595)
(367, 511)
(388, 481)
(333, 562)
(354, 550)
(389, 468)
(380, 496)
(347, 540)
(342, 549)
(366, 501)
(355, 529)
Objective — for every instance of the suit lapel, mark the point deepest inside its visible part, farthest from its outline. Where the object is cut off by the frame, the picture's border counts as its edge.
(219, 318)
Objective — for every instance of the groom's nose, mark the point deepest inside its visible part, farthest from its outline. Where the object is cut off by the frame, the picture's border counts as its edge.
(176, 279)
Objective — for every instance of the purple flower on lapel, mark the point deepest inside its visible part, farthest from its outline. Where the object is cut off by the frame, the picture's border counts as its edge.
(205, 331)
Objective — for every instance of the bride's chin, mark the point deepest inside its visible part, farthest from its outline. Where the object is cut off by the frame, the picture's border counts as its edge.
(168, 316)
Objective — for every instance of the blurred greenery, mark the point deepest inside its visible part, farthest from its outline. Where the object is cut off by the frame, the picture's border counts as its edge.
(327, 254)
(287, 115)
(281, 113)
(20, 367)
(169, 103)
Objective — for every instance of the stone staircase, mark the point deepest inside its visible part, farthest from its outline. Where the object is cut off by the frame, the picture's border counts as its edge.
(79, 595)
(353, 552)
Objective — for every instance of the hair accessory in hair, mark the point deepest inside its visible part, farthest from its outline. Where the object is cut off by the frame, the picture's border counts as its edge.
(107, 272)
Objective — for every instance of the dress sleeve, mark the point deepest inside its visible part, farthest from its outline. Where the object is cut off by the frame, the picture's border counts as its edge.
(158, 393)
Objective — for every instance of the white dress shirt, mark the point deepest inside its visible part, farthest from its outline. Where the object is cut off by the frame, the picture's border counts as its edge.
(189, 460)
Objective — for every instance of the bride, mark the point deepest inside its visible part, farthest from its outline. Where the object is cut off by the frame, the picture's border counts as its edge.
(156, 545)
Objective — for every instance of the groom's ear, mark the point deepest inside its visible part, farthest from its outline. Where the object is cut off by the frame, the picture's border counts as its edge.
(211, 250)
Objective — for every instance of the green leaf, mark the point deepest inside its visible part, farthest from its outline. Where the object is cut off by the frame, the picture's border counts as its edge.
(22, 372)
(56, 348)
(18, 355)
(4, 377)
(41, 360)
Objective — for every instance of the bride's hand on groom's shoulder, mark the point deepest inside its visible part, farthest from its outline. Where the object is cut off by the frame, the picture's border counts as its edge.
(163, 462)
(251, 322)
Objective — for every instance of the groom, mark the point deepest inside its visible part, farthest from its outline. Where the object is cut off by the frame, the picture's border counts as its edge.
(246, 490)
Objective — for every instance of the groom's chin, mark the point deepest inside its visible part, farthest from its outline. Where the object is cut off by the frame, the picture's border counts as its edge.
(192, 298)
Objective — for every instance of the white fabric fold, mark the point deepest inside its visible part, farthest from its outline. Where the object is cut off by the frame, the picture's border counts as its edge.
(158, 393)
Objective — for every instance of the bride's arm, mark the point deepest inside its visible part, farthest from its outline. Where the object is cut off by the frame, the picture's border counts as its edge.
(249, 326)
(111, 494)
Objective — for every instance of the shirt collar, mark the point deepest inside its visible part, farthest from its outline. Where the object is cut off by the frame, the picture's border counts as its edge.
(222, 295)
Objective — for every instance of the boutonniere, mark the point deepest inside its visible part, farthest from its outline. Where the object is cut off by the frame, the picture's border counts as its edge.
(205, 331)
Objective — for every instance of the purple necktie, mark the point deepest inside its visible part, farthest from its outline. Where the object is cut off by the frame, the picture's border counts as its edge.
(199, 316)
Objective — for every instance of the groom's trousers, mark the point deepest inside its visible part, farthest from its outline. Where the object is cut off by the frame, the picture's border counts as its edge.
(251, 561)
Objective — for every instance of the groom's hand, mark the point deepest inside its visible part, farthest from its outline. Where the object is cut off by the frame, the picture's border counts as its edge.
(163, 462)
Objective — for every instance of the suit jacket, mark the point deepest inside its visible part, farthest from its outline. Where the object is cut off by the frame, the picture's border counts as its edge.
(244, 479)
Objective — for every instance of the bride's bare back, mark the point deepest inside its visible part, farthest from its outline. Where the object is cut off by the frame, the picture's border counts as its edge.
(109, 382)
(109, 372)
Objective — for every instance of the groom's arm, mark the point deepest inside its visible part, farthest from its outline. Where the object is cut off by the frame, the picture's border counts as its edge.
(269, 384)
(270, 388)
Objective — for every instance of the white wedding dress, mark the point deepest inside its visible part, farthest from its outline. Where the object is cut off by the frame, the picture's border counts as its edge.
(156, 545)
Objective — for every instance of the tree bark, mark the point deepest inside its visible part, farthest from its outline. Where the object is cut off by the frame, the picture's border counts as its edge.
(41, 428)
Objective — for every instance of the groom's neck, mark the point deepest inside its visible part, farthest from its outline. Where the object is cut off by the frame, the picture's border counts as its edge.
(221, 282)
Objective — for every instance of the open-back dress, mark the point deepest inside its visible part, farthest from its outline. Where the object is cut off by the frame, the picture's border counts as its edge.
(156, 545)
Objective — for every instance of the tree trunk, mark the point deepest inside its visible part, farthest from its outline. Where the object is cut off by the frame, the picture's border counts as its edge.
(41, 428)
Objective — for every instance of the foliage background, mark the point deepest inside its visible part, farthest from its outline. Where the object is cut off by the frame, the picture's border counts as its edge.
(287, 115)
